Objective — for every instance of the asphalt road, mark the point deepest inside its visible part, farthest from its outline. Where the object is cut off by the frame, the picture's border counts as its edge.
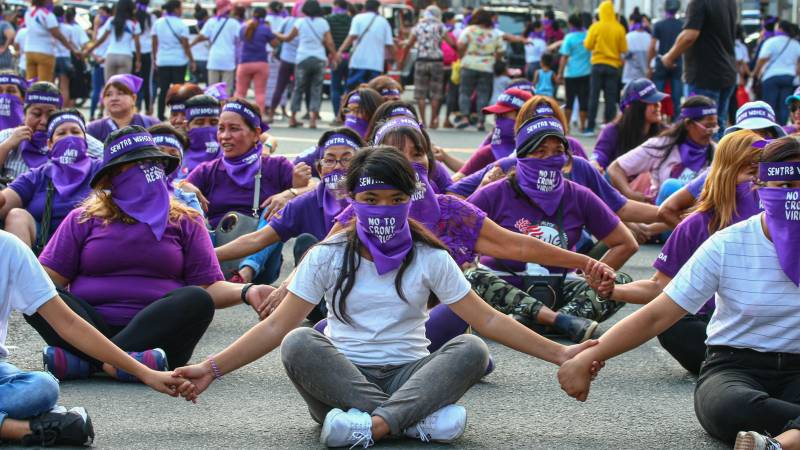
(642, 399)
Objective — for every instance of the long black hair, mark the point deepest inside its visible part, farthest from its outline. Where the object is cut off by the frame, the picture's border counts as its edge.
(390, 166)
(123, 12)
(679, 131)
(141, 14)
(630, 129)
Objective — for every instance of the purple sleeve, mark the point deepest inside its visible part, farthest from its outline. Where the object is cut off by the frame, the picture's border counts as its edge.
(481, 158)
(200, 264)
(95, 129)
(482, 197)
(467, 185)
(606, 146)
(576, 147)
(587, 176)
(62, 254)
(198, 176)
(681, 244)
(695, 187)
(599, 219)
(285, 221)
(26, 185)
(346, 215)
(462, 225)
(441, 178)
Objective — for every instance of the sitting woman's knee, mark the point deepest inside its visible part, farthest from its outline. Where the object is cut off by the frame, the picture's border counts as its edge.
(39, 392)
(296, 344)
(473, 349)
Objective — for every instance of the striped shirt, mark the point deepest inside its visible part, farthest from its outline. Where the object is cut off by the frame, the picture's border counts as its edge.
(15, 165)
(758, 306)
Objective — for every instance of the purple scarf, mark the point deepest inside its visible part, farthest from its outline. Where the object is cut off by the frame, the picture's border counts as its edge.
(243, 168)
(782, 208)
(141, 192)
(385, 232)
(334, 198)
(203, 146)
(747, 201)
(34, 151)
(693, 156)
(69, 166)
(541, 180)
(424, 205)
(356, 124)
(11, 111)
(503, 137)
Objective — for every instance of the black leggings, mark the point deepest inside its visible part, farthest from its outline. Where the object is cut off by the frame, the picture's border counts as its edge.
(686, 341)
(167, 76)
(285, 73)
(174, 323)
(144, 94)
(578, 87)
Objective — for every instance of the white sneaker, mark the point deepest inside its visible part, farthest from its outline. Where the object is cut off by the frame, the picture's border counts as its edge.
(347, 429)
(445, 425)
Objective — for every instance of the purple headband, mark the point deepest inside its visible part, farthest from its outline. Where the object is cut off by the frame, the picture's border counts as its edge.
(510, 100)
(779, 171)
(339, 140)
(16, 80)
(545, 110)
(755, 113)
(46, 98)
(394, 123)
(193, 112)
(132, 82)
(355, 98)
(128, 143)
(635, 95)
(366, 183)
(177, 107)
(386, 92)
(402, 111)
(249, 116)
(762, 143)
(698, 112)
(524, 85)
(167, 140)
(538, 127)
(61, 119)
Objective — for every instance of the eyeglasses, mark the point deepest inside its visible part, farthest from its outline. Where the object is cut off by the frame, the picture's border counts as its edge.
(330, 163)
(710, 130)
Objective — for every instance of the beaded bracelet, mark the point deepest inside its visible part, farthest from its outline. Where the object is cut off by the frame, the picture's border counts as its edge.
(214, 368)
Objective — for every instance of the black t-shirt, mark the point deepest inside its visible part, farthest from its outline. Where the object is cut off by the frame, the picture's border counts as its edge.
(710, 62)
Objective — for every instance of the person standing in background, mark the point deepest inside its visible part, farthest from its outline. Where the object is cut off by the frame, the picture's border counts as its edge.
(339, 21)
(19, 46)
(552, 29)
(199, 51)
(40, 57)
(534, 49)
(65, 69)
(276, 16)
(287, 56)
(606, 40)
(371, 38)
(171, 51)
(665, 32)
(777, 67)
(254, 38)
(575, 69)
(222, 31)
(98, 59)
(123, 33)
(638, 39)
(145, 21)
(7, 35)
(707, 40)
(450, 56)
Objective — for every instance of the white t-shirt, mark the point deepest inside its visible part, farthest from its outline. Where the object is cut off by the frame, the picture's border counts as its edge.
(636, 58)
(39, 22)
(288, 49)
(124, 45)
(535, 50)
(146, 38)
(740, 50)
(200, 50)
(782, 57)
(311, 33)
(369, 46)
(757, 304)
(22, 38)
(383, 328)
(222, 55)
(24, 285)
(170, 51)
(75, 34)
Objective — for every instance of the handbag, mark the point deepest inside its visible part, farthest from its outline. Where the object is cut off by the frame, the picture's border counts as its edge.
(47, 215)
(234, 225)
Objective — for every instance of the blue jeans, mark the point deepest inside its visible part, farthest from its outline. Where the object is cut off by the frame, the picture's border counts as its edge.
(676, 86)
(774, 91)
(24, 395)
(338, 78)
(98, 81)
(267, 262)
(722, 97)
(355, 77)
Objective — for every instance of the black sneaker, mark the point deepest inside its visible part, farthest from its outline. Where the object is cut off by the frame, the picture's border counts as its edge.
(577, 329)
(61, 427)
(750, 440)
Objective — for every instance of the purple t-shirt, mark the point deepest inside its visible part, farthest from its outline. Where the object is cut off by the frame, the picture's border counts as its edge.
(101, 128)
(224, 195)
(303, 214)
(121, 268)
(581, 208)
(458, 228)
(606, 146)
(31, 187)
(695, 187)
(440, 178)
(255, 49)
(582, 173)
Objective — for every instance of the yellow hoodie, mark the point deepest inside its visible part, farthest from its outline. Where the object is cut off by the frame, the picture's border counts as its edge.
(606, 38)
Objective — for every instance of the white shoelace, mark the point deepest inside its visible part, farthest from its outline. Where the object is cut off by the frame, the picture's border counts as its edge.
(423, 436)
(362, 439)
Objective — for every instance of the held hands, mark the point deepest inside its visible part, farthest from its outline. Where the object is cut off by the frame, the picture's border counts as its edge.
(164, 382)
(600, 278)
(301, 174)
(262, 301)
(197, 379)
(575, 377)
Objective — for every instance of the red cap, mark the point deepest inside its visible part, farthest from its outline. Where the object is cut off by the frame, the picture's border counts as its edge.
(510, 100)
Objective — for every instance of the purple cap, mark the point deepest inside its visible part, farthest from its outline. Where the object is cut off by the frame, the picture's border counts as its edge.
(779, 171)
(533, 132)
(219, 91)
(640, 90)
(132, 82)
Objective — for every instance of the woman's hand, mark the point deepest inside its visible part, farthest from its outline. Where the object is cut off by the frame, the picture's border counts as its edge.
(273, 300)
(301, 175)
(599, 168)
(277, 202)
(492, 175)
(640, 232)
(19, 134)
(189, 187)
(197, 379)
(439, 153)
(575, 378)
(258, 296)
(164, 382)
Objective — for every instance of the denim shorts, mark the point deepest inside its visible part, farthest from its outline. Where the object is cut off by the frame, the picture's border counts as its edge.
(64, 66)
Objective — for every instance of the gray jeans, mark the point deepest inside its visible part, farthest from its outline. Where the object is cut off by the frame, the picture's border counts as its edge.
(218, 76)
(471, 81)
(117, 64)
(401, 395)
(309, 76)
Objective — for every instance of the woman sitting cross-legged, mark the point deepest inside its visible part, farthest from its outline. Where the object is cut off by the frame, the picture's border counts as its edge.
(370, 375)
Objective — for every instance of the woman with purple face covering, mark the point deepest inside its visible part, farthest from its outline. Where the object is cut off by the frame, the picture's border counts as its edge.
(376, 279)
(536, 201)
(749, 380)
(119, 99)
(64, 179)
(202, 118)
(173, 142)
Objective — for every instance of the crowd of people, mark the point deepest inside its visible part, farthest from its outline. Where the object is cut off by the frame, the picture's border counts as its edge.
(401, 250)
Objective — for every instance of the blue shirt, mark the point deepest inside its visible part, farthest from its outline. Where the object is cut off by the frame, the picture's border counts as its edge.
(579, 63)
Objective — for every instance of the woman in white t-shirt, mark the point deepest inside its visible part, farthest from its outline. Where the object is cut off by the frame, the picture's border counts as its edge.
(171, 50)
(751, 377)
(40, 52)
(777, 68)
(124, 34)
(146, 21)
(377, 278)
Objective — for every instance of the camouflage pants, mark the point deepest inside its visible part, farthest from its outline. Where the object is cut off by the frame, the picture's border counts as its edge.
(575, 299)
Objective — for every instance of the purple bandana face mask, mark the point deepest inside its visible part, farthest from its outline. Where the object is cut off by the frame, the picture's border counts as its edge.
(334, 196)
(693, 156)
(70, 166)
(782, 214)
(384, 230)
(541, 180)
(11, 111)
(141, 192)
(424, 205)
(747, 202)
(243, 169)
(203, 146)
(34, 151)
(503, 137)
(356, 124)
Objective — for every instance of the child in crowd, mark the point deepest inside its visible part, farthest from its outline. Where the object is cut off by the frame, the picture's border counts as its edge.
(543, 78)
(501, 80)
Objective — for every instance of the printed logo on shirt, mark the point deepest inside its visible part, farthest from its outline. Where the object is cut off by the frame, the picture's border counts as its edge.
(544, 231)
(662, 257)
